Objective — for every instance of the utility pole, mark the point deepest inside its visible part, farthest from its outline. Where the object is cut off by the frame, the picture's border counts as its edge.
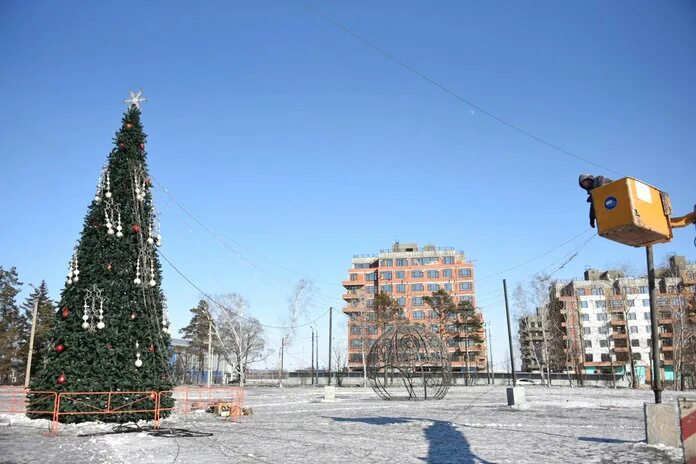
(316, 357)
(311, 369)
(330, 339)
(31, 338)
(210, 347)
(655, 334)
(507, 314)
(490, 357)
(282, 354)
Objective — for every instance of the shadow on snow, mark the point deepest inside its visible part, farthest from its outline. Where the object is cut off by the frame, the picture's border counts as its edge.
(446, 444)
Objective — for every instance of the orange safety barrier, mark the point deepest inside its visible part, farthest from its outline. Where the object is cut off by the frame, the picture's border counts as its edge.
(53, 404)
(209, 397)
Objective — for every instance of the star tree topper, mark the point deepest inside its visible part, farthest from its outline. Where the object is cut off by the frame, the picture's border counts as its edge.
(135, 99)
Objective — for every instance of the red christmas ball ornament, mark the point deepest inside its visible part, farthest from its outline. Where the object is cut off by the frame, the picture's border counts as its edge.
(109, 267)
(151, 348)
(129, 125)
(61, 379)
(136, 228)
(66, 313)
(60, 348)
(142, 146)
(153, 396)
(121, 145)
(109, 347)
(147, 181)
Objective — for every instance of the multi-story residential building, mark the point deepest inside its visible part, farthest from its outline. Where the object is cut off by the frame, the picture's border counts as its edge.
(531, 336)
(408, 273)
(604, 320)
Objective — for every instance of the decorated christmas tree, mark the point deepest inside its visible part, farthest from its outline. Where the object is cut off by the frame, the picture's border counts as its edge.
(110, 331)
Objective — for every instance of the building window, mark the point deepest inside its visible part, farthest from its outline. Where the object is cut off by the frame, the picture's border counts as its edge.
(631, 303)
(597, 291)
(633, 329)
(583, 304)
(646, 316)
(465, 272)
(602, 317)
(448, 260)
(434, 328)
(400, 275)
(417, 301)
(448, 287)
(600, 304)
(648, 329)
(369, 303)
(602, 330)
(433, 274)
(401, 301)
(402, 262)
(417, 287)
(588, 343)
(416, 273)
(416, 261)
(386, 262)
(643, 289)
(586, 317)
(581, 291)
(603, 344)
(466, 286)
(356, 329)
(631, 316)
(605, 357)
(356, 343)
(636, 356)
(372, 329)
(386, 275)
(635, 342)
(353, 277)
(370, 289)
(588, 357)
(587, 330)
(418, 315)
(430, 260)
(432, 314)
(646, 302)
(468, 298)
(447, 273)
(433, 287)
(371, 276)
(400, 288)
(385, 288)
(362, 266)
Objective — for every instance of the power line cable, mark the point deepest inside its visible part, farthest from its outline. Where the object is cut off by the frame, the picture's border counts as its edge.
(445, 89)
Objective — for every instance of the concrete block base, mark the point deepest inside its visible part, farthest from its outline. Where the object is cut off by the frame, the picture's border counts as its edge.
(662, 424)
(329, 393)
(515, 397)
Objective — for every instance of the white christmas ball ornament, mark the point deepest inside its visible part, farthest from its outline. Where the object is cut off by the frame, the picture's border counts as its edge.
(75, 279)
(100, 325)
(137, 281)
(76, 272)
(150, 240)
(110, 231)
(85, 317)
(119, 234)
(85, 325)
(152, 282)
(69, 281)
(138, 363)
(97, 198)
(108, 195)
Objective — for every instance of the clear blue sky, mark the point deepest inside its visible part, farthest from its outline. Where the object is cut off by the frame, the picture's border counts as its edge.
(301, 146)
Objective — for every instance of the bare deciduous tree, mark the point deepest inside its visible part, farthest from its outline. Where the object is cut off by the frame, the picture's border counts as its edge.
(240, 338)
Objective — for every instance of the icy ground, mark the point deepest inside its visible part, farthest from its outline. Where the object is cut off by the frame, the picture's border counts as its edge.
(293, 425)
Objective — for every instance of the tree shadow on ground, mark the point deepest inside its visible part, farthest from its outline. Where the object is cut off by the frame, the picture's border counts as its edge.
(446, 444)
(608, 440)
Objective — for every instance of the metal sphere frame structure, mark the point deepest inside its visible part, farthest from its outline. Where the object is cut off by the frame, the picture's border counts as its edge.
(409, 363)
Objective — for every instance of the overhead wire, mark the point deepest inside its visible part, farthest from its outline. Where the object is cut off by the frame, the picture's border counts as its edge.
(451, 92)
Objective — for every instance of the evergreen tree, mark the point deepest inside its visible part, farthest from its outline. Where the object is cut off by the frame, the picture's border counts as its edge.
(44, 322)
(387, 311)
(197, 334)
(110, 332)
(470, 327)
(14, 330)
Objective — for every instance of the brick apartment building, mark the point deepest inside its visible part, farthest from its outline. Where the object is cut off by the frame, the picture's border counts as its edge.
(408, 273)
(603, 322)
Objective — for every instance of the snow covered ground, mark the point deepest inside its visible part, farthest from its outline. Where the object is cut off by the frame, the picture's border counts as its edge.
(294, 425)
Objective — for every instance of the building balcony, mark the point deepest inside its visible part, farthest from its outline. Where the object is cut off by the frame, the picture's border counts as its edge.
(352, 283)
(617, 322)
(618, 335)
(666, 335)
(350, 296)
(621, 349)
(667, 348)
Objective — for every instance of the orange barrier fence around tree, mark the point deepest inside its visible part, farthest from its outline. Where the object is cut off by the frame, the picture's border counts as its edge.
(56, 406)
